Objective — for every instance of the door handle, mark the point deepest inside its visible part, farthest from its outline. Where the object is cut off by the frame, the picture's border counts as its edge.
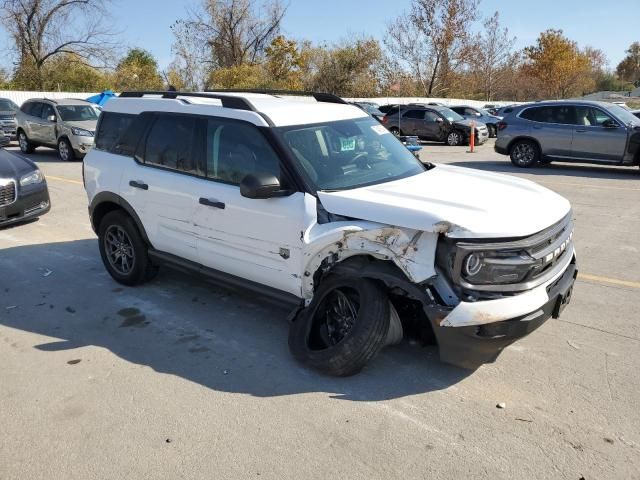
(212, 202)
(138, 184)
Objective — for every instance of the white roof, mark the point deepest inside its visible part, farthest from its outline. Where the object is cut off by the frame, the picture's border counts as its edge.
(282, 111)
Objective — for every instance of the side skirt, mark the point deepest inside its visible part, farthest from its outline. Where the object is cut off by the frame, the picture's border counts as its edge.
(269, 294)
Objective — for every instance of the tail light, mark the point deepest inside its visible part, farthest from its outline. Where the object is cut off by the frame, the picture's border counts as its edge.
(385, 120)
(502, 125)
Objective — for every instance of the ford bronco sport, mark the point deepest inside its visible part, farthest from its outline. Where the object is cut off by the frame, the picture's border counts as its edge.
(310, 201)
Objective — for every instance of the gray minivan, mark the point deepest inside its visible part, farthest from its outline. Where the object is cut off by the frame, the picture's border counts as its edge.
(570, 131)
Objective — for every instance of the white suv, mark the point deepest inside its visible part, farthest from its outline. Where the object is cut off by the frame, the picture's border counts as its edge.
(310, 201)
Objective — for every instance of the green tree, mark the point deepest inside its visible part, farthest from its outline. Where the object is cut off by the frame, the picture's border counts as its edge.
(284, 64)
(240, 76)
(559, 66)
(138, 70)
(68, 73)
(629, 68)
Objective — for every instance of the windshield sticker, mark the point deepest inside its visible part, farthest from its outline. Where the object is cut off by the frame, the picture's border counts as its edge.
(379, 129)
(347, 144)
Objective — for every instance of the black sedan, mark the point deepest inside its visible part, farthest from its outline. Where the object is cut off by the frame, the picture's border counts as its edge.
(23, 190)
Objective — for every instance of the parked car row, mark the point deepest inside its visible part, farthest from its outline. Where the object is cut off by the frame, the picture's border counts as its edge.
(8, 110)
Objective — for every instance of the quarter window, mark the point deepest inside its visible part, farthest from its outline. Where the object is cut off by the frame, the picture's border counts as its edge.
(173, 143)
(235, 150)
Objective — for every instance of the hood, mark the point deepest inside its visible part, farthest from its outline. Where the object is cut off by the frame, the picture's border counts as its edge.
(460, 202)
(12, 166)
(86, 124)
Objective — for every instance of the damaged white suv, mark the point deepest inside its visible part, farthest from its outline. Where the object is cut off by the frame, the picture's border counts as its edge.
(308, 200)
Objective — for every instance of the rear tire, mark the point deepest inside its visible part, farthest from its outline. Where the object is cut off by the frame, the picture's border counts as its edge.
(492, 131)
(123, 250)
(343, 328)
(25, 145)
(524, 153)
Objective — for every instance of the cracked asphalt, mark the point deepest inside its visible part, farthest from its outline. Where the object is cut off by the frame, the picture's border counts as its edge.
(183, 379)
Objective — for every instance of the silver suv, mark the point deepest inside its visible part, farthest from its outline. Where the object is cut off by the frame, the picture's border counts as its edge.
(68, 125)
(570, 131)
(8, 111)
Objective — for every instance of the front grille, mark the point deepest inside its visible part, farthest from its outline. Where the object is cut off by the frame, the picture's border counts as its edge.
(7, 117)
(7, 193)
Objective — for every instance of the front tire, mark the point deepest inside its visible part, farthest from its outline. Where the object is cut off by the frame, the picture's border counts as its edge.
(123, 250)
(493, 132)
(454, 138)
(25, 145)
(524, 154)
(65, 150)
(395, 131)
(343, 328)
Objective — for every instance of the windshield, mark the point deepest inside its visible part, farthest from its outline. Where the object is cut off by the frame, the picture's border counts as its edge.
(77, 113)
(624, 115)
(450, 115)
(370, 109)
(349, 153)
(7, 105)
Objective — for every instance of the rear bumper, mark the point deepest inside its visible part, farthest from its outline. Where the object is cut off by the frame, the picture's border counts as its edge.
(27, 206)
(471, 346)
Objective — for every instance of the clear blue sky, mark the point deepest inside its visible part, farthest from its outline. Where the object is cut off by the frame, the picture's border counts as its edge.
(610, 25)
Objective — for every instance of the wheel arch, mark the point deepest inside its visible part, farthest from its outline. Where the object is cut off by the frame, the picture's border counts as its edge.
(105, 202)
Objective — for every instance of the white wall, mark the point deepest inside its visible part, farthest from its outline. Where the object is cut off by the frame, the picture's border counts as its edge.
(19, 97)
(445, 101)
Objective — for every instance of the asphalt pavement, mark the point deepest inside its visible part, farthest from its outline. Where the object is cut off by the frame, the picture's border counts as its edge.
(183, 379)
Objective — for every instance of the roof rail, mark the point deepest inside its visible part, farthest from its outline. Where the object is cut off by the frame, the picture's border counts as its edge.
(237, 103)
(319, 96)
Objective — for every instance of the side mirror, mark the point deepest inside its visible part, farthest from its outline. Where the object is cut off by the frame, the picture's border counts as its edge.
(439, 119)
(261, 186)
(609, 124)
(52, 118)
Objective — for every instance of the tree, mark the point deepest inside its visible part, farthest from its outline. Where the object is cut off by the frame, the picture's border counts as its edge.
(138, 70)
(68, 73)
(558, 65)
(348, 69)
(494, 54)
(226, 34)
(433, 40)
(45, 29)
(629, 68)
(240, 76)
(284, 63)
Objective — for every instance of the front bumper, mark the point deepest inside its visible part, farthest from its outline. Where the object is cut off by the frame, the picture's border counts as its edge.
(81, 145)
(30, 204)
(486, 332)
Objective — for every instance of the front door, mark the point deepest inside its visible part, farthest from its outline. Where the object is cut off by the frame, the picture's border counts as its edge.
(598, 136)
(432, 126)
(48, 129)
(260, 240)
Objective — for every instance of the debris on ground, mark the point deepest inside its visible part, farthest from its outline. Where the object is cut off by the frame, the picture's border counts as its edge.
(226, 372)
(11, 307)
(524, 420)
(46, 272)
(74, 362)
(70, 310)
(501, 405)
(168, 440)
(573, 345)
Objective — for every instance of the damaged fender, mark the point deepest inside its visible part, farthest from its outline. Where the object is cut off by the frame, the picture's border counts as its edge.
(410, 250)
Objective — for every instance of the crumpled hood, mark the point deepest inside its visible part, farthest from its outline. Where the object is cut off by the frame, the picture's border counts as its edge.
(461, 202)
(85, 124)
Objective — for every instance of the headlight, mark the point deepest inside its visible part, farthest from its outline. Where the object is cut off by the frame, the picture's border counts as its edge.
(81, 132)
(31, 178)
(492, 267)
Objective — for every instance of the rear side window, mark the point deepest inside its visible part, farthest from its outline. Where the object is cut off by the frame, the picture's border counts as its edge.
(530, 114)
(174, 143)
(417, 114)
(110, 129)
(34, 109)
(558, 114)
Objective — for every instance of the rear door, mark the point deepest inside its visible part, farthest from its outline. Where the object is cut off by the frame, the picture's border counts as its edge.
(162, 184)
(598, 136)
(410, 120)
(32, 121)
(553, 127)
(48, 130)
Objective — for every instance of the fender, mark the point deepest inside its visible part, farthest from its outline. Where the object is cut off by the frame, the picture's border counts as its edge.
(103, 198)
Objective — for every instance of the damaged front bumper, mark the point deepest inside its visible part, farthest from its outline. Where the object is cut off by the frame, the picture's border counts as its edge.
(474, 333)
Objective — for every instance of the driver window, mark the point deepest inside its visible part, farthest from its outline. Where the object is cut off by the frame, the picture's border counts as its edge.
(430, 117)
(235, 150)
(47, 111)
(416, 114)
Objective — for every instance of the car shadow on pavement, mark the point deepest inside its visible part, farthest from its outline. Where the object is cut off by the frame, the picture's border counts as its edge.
(184, 326)
(565, 170)
(40, 155)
